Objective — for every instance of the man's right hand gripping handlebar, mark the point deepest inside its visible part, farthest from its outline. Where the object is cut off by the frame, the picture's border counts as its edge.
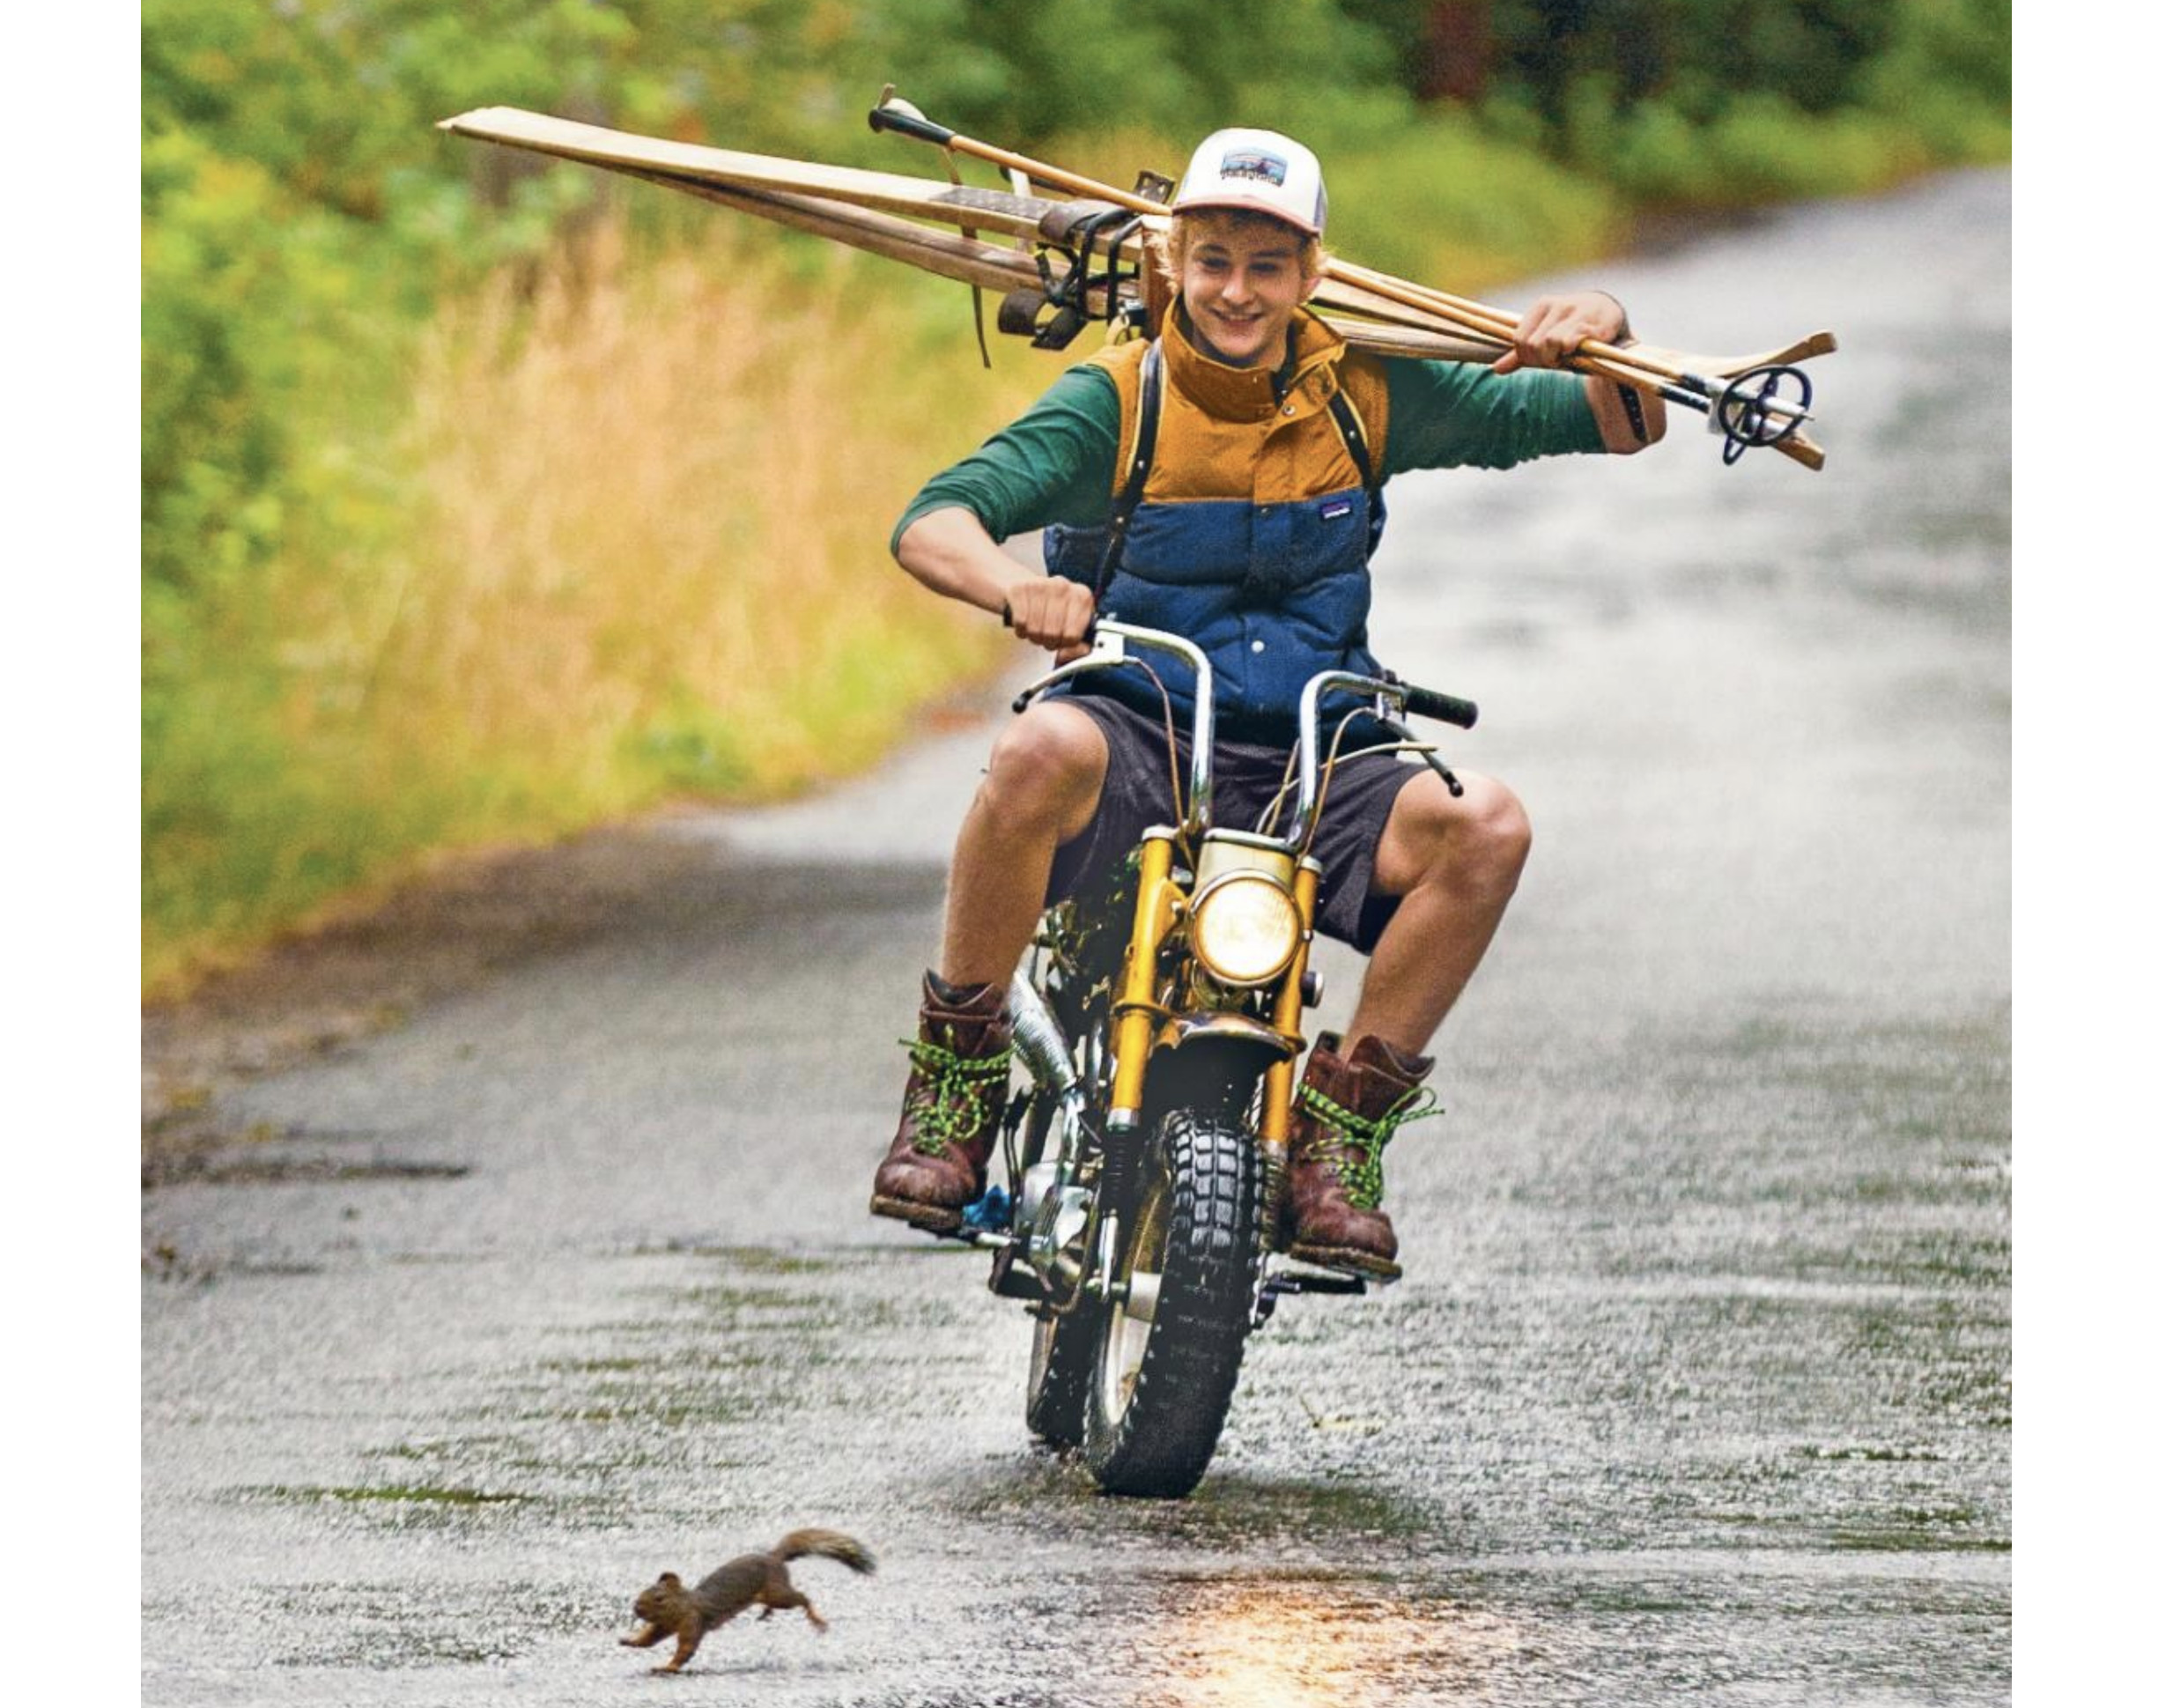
(1052, 612)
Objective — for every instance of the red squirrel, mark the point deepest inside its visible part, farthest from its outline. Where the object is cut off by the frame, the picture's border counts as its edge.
(750, 1579)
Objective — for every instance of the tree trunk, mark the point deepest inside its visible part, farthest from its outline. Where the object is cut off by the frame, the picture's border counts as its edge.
(1454, 62)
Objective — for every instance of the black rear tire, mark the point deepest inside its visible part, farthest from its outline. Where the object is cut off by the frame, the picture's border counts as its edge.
(1062, 1360)
(1161, 1384)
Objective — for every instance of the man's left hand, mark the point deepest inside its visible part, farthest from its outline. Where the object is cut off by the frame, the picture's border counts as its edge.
(1554, 328)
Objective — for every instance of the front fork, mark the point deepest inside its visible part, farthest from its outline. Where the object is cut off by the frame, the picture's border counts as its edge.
(1137, 1007)
(1137, 1010)
(1053, 1193)
(1277, 1099)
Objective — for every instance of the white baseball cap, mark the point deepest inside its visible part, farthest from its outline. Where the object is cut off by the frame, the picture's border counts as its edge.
(1261, 170)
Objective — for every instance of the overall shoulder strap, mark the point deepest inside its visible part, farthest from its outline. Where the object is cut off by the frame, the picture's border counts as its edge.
(1128, 497)
(1350, 426)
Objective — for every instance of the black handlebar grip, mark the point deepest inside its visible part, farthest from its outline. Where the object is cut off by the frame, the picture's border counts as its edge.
(909, 124)
(1425, 703)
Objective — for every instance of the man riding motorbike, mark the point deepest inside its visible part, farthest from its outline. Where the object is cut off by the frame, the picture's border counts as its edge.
(1228, 490)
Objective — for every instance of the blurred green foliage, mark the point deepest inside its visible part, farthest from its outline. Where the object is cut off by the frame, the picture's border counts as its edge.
(1695, 57)
(303, 220)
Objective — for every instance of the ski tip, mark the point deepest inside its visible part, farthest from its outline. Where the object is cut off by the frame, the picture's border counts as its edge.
(484, 121)
(1804, 452)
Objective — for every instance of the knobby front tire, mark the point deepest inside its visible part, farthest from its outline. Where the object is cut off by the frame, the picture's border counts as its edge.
(1170, 1350)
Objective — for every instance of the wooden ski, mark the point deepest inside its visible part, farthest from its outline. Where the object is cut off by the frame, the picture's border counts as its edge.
(860, 208)
(879, 211)
(685, 163)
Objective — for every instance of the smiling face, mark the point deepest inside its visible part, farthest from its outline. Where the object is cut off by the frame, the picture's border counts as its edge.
(1242, 276)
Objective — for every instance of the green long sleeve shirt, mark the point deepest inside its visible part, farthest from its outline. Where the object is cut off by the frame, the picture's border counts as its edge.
(1056, 464)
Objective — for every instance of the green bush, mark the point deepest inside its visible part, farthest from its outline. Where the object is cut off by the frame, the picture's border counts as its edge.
(1446, 200)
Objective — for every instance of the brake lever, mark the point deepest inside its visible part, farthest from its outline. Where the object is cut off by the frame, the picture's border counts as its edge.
(1408, 736)
(1108, 650)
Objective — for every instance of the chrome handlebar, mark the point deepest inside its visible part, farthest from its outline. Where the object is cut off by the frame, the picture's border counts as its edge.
(1110, 640)
(1388, 696)
(1113, 644)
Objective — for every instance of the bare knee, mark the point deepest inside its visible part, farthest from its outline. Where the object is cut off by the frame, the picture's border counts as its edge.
(1046, 769)
(1499, 837)
(1475, 846)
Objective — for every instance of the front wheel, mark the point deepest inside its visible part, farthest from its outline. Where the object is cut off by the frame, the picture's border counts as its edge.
(1172, 1341)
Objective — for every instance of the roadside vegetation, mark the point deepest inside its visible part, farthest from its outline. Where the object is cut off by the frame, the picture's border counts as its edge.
(484, 500)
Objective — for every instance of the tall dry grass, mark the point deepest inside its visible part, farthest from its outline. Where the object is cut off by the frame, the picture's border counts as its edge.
(659, 505)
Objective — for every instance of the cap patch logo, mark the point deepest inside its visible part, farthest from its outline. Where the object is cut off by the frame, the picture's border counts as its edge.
(1256, 164)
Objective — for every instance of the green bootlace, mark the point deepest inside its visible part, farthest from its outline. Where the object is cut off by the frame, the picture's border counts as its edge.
(1363, 1179)
(949, 1103)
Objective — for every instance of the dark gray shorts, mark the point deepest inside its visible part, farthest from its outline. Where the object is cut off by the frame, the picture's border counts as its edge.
(1135, 796)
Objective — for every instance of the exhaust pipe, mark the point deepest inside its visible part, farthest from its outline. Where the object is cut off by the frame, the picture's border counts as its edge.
(1038, 1041)
(1053, 1211)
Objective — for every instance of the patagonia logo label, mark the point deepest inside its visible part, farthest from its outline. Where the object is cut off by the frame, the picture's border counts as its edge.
(1255, 163)
(1336, 511)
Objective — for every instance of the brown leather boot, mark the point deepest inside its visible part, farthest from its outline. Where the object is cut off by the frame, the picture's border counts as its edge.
(954, 1100)
(1347, 1112)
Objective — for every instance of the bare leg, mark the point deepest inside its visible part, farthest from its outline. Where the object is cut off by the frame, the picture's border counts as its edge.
(1454, 864)
(1044, 777)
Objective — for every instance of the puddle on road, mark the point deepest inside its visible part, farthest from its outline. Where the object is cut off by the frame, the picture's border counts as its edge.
(1265, 1641)
(1553, 1630)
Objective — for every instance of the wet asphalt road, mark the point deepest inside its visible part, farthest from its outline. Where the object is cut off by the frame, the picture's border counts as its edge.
(1698, 1386)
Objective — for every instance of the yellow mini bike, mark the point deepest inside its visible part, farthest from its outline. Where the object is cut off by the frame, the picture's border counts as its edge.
(1159, 1024)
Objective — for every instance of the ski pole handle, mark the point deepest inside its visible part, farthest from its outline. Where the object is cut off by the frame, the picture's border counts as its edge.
(899, 116)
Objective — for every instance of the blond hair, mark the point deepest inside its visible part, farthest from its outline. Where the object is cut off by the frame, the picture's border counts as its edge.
(1172, 246)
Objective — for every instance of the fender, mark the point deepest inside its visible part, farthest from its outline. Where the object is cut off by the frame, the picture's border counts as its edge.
(1235, 1033)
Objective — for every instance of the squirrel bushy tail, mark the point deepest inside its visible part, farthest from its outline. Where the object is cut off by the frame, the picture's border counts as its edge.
(825, 1544)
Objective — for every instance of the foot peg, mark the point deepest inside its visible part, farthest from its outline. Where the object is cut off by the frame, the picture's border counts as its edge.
(1309, 1280)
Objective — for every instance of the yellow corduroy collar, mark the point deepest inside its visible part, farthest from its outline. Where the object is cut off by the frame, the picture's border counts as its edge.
(1247, 394)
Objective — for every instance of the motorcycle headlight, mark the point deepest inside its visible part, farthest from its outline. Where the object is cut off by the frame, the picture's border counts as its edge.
(1245, 928)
